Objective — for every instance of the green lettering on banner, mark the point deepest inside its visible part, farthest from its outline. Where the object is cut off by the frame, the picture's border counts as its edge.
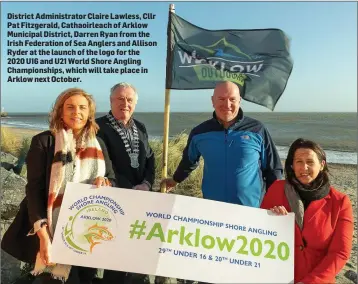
(185, 238)
(171, 233)
(259, 247)
(197, 238)
(272, 247)
(254, 247)
(222, 244)
(210, 73)
(242, 249)
(210, 244)
(279, 251)
(157, 232)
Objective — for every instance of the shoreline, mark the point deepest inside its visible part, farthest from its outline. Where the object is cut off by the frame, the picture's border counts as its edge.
(21, 133)
(334, 131)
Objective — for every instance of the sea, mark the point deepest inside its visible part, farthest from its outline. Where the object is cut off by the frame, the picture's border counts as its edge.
(335, 132)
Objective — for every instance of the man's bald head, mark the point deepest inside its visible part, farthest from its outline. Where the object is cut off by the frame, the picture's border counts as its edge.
(226, 87)
(226, 101)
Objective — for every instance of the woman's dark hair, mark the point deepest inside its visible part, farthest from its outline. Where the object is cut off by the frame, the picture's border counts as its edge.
(301, 143)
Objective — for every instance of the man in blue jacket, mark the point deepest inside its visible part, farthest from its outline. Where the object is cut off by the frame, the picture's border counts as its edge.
(240, 158)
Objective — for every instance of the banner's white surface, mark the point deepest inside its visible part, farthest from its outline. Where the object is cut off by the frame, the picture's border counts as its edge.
(174, 236)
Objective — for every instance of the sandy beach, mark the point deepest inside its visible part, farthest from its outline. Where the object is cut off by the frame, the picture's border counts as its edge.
(343, 178)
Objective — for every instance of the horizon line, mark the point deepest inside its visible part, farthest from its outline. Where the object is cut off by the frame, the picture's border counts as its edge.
(44, 112)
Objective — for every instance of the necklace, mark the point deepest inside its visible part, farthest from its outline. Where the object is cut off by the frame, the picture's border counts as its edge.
(132, 149)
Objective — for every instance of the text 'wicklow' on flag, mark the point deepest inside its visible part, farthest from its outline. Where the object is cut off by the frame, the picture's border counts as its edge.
(258, 61)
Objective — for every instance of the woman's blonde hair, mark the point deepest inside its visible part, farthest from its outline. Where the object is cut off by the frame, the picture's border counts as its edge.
(55, 119)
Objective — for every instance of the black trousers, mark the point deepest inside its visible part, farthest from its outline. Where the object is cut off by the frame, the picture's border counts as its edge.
(114, 277)
(78, 275)
(122, 277)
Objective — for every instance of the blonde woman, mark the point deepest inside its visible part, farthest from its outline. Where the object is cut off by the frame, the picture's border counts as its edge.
(68, 152)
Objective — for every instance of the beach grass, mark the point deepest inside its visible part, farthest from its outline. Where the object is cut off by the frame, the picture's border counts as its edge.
(14, 144)
(192, 185)
(18, 145)
(10, 143)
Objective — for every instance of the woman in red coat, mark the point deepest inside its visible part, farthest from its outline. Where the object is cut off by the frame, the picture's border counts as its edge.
(324, 217)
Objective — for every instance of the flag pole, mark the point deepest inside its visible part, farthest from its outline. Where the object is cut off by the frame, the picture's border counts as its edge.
(166, 119)
(165, 138)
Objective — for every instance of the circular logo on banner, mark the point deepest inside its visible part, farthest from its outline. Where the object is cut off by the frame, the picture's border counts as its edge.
(90, 227)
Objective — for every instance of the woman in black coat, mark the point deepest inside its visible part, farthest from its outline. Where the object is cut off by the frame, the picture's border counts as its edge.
(68, 152)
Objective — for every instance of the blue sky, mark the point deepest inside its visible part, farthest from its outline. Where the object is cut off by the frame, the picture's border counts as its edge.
(323, 47)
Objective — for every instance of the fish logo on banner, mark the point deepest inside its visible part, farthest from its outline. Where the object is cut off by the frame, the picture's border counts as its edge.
(93, 223)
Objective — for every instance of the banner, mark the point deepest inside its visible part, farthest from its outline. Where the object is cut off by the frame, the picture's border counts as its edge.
(173, 236)
(258, 61)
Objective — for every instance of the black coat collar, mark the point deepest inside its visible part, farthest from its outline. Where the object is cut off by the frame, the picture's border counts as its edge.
(238, 119)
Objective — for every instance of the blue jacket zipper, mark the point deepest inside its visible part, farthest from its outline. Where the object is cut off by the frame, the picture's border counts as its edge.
(226, 166)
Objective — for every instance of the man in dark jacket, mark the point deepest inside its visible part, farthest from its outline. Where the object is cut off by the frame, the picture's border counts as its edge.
(241, 160)
(132, 157)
